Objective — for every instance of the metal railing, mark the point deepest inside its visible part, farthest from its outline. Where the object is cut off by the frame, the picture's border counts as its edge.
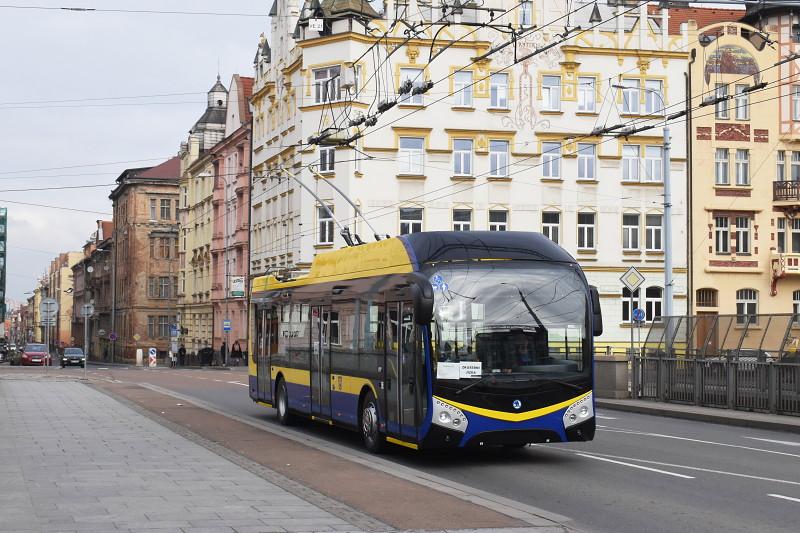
(785, 191)
(749, 363)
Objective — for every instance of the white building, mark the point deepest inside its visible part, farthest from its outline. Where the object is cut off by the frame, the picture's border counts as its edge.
(492, 145)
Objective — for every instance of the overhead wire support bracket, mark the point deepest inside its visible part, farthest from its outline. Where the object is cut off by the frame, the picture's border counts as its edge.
(352, 204)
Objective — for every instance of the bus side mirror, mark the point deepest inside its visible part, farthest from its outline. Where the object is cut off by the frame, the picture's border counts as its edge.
(423, 298)
(597, 315)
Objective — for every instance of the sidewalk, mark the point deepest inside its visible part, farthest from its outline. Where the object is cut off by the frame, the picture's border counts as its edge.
(74, 459)
(705, 414)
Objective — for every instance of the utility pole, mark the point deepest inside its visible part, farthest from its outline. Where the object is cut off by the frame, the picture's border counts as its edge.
(668, 288)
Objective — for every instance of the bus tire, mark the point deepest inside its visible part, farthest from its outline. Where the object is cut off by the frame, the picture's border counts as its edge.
(371, 435)
(282, 403)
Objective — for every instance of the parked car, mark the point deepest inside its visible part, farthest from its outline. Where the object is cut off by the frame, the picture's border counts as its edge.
(73, 356)
(34, 354)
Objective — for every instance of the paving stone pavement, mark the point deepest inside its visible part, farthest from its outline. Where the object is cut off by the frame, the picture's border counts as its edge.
(74, 459)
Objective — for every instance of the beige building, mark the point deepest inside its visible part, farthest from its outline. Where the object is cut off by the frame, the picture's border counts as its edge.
(196, 214)
(744, 193)
(59, 286)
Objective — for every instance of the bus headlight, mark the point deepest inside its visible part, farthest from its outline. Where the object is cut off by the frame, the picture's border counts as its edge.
(447, 416)
(579, 411)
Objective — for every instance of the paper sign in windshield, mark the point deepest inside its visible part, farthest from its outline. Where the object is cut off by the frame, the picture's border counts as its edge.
(447, 370)
(470, 369)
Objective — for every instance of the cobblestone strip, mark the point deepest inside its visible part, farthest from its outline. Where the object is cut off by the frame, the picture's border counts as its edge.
(358, 519)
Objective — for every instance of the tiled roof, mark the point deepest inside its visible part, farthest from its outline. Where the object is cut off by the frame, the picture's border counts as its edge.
(246, 85)
(704, 16)
(171, 168)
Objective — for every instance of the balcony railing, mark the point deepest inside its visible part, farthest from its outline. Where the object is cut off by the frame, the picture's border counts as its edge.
(786, 264)
(786, 191)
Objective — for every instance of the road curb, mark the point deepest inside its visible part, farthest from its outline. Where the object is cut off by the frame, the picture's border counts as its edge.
(702, 414)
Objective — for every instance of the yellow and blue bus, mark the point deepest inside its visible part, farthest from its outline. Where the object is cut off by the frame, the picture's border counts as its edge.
(433, 339)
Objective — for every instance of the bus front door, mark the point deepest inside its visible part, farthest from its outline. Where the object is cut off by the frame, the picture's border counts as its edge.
(261, 347)
(400, 386)
(321, 318)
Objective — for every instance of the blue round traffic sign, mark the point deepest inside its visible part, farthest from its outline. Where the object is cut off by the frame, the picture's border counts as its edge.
(638, 314)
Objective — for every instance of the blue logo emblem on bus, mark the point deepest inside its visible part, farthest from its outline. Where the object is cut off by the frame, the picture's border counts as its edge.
(439, 284)
(516, 404)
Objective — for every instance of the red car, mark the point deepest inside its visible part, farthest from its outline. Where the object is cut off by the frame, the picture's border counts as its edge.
(34, 354)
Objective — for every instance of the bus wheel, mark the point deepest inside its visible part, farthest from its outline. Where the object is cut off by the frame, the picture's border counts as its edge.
(370, 433)
(282, 404)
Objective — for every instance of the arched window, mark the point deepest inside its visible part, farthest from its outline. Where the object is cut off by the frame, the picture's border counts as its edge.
(653, 298)
(626, 303)
(706, 297)
(747, 306)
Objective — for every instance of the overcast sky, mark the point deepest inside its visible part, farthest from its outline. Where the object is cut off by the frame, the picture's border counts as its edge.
(59, 55)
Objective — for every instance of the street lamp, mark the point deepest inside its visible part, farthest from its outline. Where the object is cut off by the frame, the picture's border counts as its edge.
(668, 288)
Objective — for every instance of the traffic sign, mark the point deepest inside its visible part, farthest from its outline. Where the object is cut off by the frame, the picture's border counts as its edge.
(226, 325)
(638, 315)
(137, 337)
(112, 336)
(101, 333)
(151, 357)
(87, 310)
(173, 330)
(632, 279)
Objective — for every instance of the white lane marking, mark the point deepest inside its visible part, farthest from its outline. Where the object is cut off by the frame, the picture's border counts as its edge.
(786, 442)
(694, 468)
(601, 417)
(237, 383)
(218, 380)
(782, 497)
(640, 467)
(646, 434)
(102, 368)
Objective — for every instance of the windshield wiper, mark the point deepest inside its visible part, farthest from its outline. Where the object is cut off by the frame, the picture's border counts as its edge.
(483, 378)
(555, 380)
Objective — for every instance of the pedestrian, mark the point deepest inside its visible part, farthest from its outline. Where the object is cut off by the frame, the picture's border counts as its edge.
(172, 359)
(223, 352)
(236, 353)
(182, 355)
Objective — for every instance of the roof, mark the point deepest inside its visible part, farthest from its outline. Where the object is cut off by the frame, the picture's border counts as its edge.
(704, 16)
(218, 87)
(212, 115)
(106, 229)
(246, 92)
(337, 7)
(169, 169)
(274, 10)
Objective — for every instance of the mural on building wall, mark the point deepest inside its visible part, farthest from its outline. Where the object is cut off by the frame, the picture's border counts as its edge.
(525, 114)
(731, 59)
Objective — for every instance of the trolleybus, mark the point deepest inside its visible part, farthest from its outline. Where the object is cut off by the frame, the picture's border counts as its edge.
(434, 339)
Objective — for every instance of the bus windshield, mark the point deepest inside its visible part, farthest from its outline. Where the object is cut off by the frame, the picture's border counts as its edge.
(509, 319)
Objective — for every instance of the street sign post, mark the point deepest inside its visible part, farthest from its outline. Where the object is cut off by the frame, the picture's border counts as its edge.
(226, 325)
(632, 279)
(87, 310)
(48, 308)
(152, 357)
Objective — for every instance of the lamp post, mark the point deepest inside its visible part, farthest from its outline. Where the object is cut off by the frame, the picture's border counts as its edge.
(665, 164)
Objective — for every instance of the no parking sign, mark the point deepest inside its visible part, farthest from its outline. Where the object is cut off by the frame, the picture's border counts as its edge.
(151, 357)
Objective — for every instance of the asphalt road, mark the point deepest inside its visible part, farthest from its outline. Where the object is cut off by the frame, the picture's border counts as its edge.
(641, 473)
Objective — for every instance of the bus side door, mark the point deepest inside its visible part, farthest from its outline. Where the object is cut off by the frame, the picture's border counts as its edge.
(262, 346)
(321, 318)
(400, 383)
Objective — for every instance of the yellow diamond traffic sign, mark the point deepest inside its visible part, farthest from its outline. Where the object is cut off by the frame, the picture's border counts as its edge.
(632, 279)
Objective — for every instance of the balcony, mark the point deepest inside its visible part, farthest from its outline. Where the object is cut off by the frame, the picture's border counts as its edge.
(783, 264)
(786, 191)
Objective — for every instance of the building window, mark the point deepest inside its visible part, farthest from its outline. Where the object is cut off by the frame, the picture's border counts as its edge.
(795, 236)
(462, 89)
(152, 247)
(163, 326)
(152, 327)
(780, 234)
(653, 298)
(498, 158)
(551, 160)
(747, 306)
(327, 159)
(462, 157)
(706, 298)
(721, 107)
(742, 103)
(586, 161)
(653, 97)
(795, 102)
(721, 166)
(177, 216)
(626, 303)
(630, 96)
(653, 224)
(742, 235)
(551, 224)
(415, 76)
(630, 162)
(586, 231)
(796, 304)
(551, 93)
(411, 156)
(630, 231)
(780, 166)
(721, 235)
(498, 90)
(324, 225)
(326, 84)
(185, 196)
(742, 167)
(653, 163)
(795, 166)
(165, 247)
(410, 220)
(526, 14)
(462, 219)
(498, 220)
(153, 209)
(587, 94)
